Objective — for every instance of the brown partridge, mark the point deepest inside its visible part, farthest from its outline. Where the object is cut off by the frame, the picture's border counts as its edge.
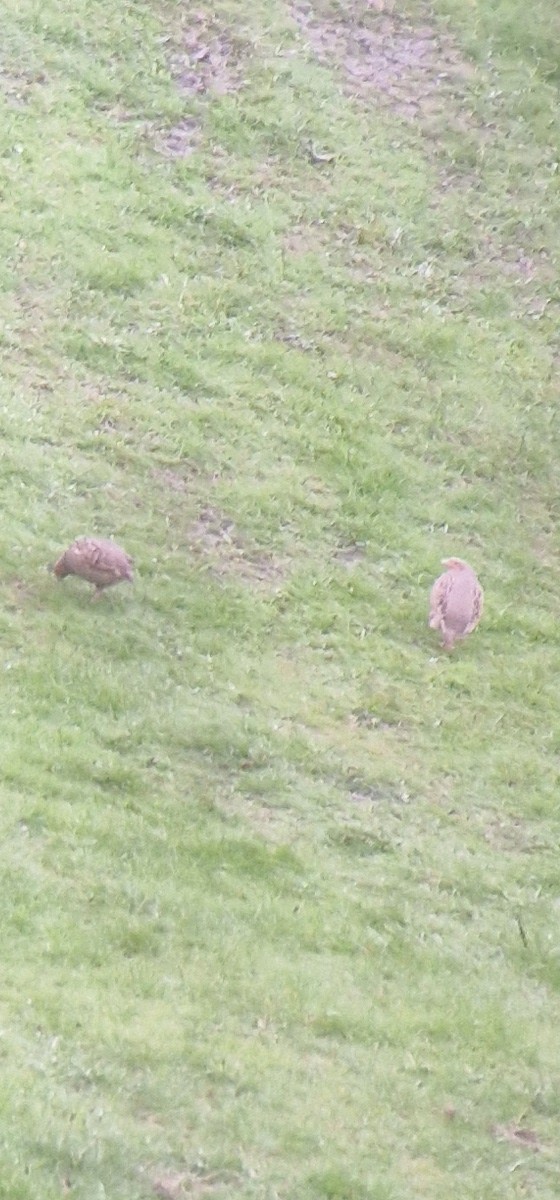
(101, 562)
(456, 602)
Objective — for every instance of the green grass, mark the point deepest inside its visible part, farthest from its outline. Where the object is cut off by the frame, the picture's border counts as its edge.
(279, 881)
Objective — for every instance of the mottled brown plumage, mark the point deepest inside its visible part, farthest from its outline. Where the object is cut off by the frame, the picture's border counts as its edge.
(101, 562)
(456, 602)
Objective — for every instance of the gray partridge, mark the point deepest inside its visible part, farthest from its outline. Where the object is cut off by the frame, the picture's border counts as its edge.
(101, 562)
(456, 602)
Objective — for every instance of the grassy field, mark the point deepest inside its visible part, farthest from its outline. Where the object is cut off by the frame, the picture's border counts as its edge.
(279, 311)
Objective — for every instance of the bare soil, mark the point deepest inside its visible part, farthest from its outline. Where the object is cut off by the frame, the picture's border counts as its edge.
(213, 536)
(204, 61)
(408, 66)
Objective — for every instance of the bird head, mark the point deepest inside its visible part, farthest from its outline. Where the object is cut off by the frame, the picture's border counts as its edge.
(454, 564)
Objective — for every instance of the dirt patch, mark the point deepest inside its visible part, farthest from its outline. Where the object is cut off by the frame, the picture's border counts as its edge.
(207, 59)
(180, 140)
(408, 66)
(213, 530)
(363, 718)
(512, 836)
(350, 556)
(311, 238)
(204, 60)
(175, 481)
(170, 1185)
(214, 536)
(175, 1185)
(510, 266)
(416, 70)
(369, 794)
(518, 1135)
(296, 341)
(358, 842)
(18, 86)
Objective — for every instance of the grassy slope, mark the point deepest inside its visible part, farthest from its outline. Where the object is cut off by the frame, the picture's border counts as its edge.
(264, 850)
